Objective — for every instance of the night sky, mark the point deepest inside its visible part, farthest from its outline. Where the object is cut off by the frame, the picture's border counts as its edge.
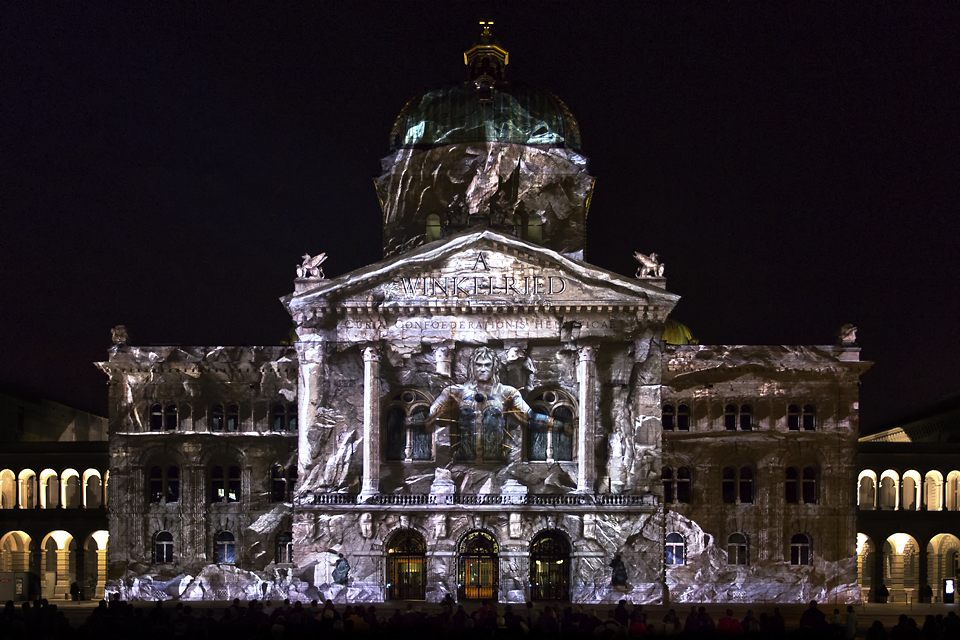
(165, 165)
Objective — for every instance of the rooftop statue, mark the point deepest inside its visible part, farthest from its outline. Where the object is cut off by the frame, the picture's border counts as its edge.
(650, 267)
(119, 335)
(311, 266)
(481, 406)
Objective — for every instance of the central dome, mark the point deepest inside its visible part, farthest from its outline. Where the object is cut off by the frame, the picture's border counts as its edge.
(507, 112)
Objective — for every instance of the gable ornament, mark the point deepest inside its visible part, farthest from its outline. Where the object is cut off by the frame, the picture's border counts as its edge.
(649, 267)
(310, 268)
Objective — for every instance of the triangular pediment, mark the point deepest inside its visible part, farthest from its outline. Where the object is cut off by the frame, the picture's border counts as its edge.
(479, 269)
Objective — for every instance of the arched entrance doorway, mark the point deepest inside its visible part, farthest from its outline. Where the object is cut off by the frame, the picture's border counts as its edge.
(550, 567)
(407, 566)
(479, 567)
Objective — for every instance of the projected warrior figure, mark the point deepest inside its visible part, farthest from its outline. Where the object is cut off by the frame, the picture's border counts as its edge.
(481, 406)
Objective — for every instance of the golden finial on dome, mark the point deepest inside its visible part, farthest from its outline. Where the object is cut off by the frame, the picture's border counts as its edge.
(486, 58)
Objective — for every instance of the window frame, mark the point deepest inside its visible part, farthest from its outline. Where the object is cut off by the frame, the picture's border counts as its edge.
(671, 547)
(414, 406)
(741, 550)
(542, 404)
(738, 416)
(164, 487)
(163, 548)
(734, 488)
(225, 548)
(801, 551)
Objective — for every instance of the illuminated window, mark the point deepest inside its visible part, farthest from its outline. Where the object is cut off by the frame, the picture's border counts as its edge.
(163, 548)
(433, 227)
(478, 577)
(226, 548)
(534, 229)
(225, 488)
(550, 567)
(800, 549)
(156, 418)
(668, 417)
(675, 549)
(737, 549)
(407, 566)
(545, 443)
(407, 436)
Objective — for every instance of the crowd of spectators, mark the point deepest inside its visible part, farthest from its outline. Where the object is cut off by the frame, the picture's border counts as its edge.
(265, 620)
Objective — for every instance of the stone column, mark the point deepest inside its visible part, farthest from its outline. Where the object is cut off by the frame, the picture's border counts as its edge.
(62, 590)
(310, 355)
(371, 421)
(101, 573)
(586, 378)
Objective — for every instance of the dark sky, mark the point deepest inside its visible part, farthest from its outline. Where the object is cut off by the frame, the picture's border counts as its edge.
(165, 165)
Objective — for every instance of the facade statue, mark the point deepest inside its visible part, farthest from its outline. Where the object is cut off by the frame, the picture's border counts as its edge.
(650, 267)
(341, 570)
(848, 335)
(619, 578)
(481, 406)
(311, 266)
(119, 335)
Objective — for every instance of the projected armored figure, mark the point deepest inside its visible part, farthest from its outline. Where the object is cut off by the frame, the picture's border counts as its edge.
(480, 407)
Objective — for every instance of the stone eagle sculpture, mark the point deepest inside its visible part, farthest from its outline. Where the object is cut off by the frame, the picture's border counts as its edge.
(311, 266)
(650, 267)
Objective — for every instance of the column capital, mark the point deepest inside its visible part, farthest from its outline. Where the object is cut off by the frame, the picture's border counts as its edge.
(371, 352)
(588, 353)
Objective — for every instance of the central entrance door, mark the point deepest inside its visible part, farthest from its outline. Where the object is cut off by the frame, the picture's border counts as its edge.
(550, 567)
(407, 567)
(479, 573)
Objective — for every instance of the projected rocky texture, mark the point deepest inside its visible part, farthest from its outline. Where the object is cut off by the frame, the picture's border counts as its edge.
(541, 194)
(759, 450)
(202, 450)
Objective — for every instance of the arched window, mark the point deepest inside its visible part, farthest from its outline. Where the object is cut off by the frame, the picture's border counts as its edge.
(171, 422)
(737, 485)
(163, 548)
(407, 436)
(668, 417)
(164, 484)
(683, 418)
(285, 547)
(156, 417)
(550, 567)
(809, 417)
(407, 566)
(800, 549)
(674, 549)
(479, 566)
(216, 418)
(737, 549)
(226, 548)
(549, 444)
(793, 417)
(666, 475)
(738, 416)
(792, 490)
(225, 488)
(282, 483)
(809, 485)
(233, 419)
(683, 485)
(433, 227)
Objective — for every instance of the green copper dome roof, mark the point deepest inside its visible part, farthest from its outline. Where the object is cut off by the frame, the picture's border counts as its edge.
(509, 112)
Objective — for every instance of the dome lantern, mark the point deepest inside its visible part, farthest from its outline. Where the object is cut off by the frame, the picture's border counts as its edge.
(486, 61)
